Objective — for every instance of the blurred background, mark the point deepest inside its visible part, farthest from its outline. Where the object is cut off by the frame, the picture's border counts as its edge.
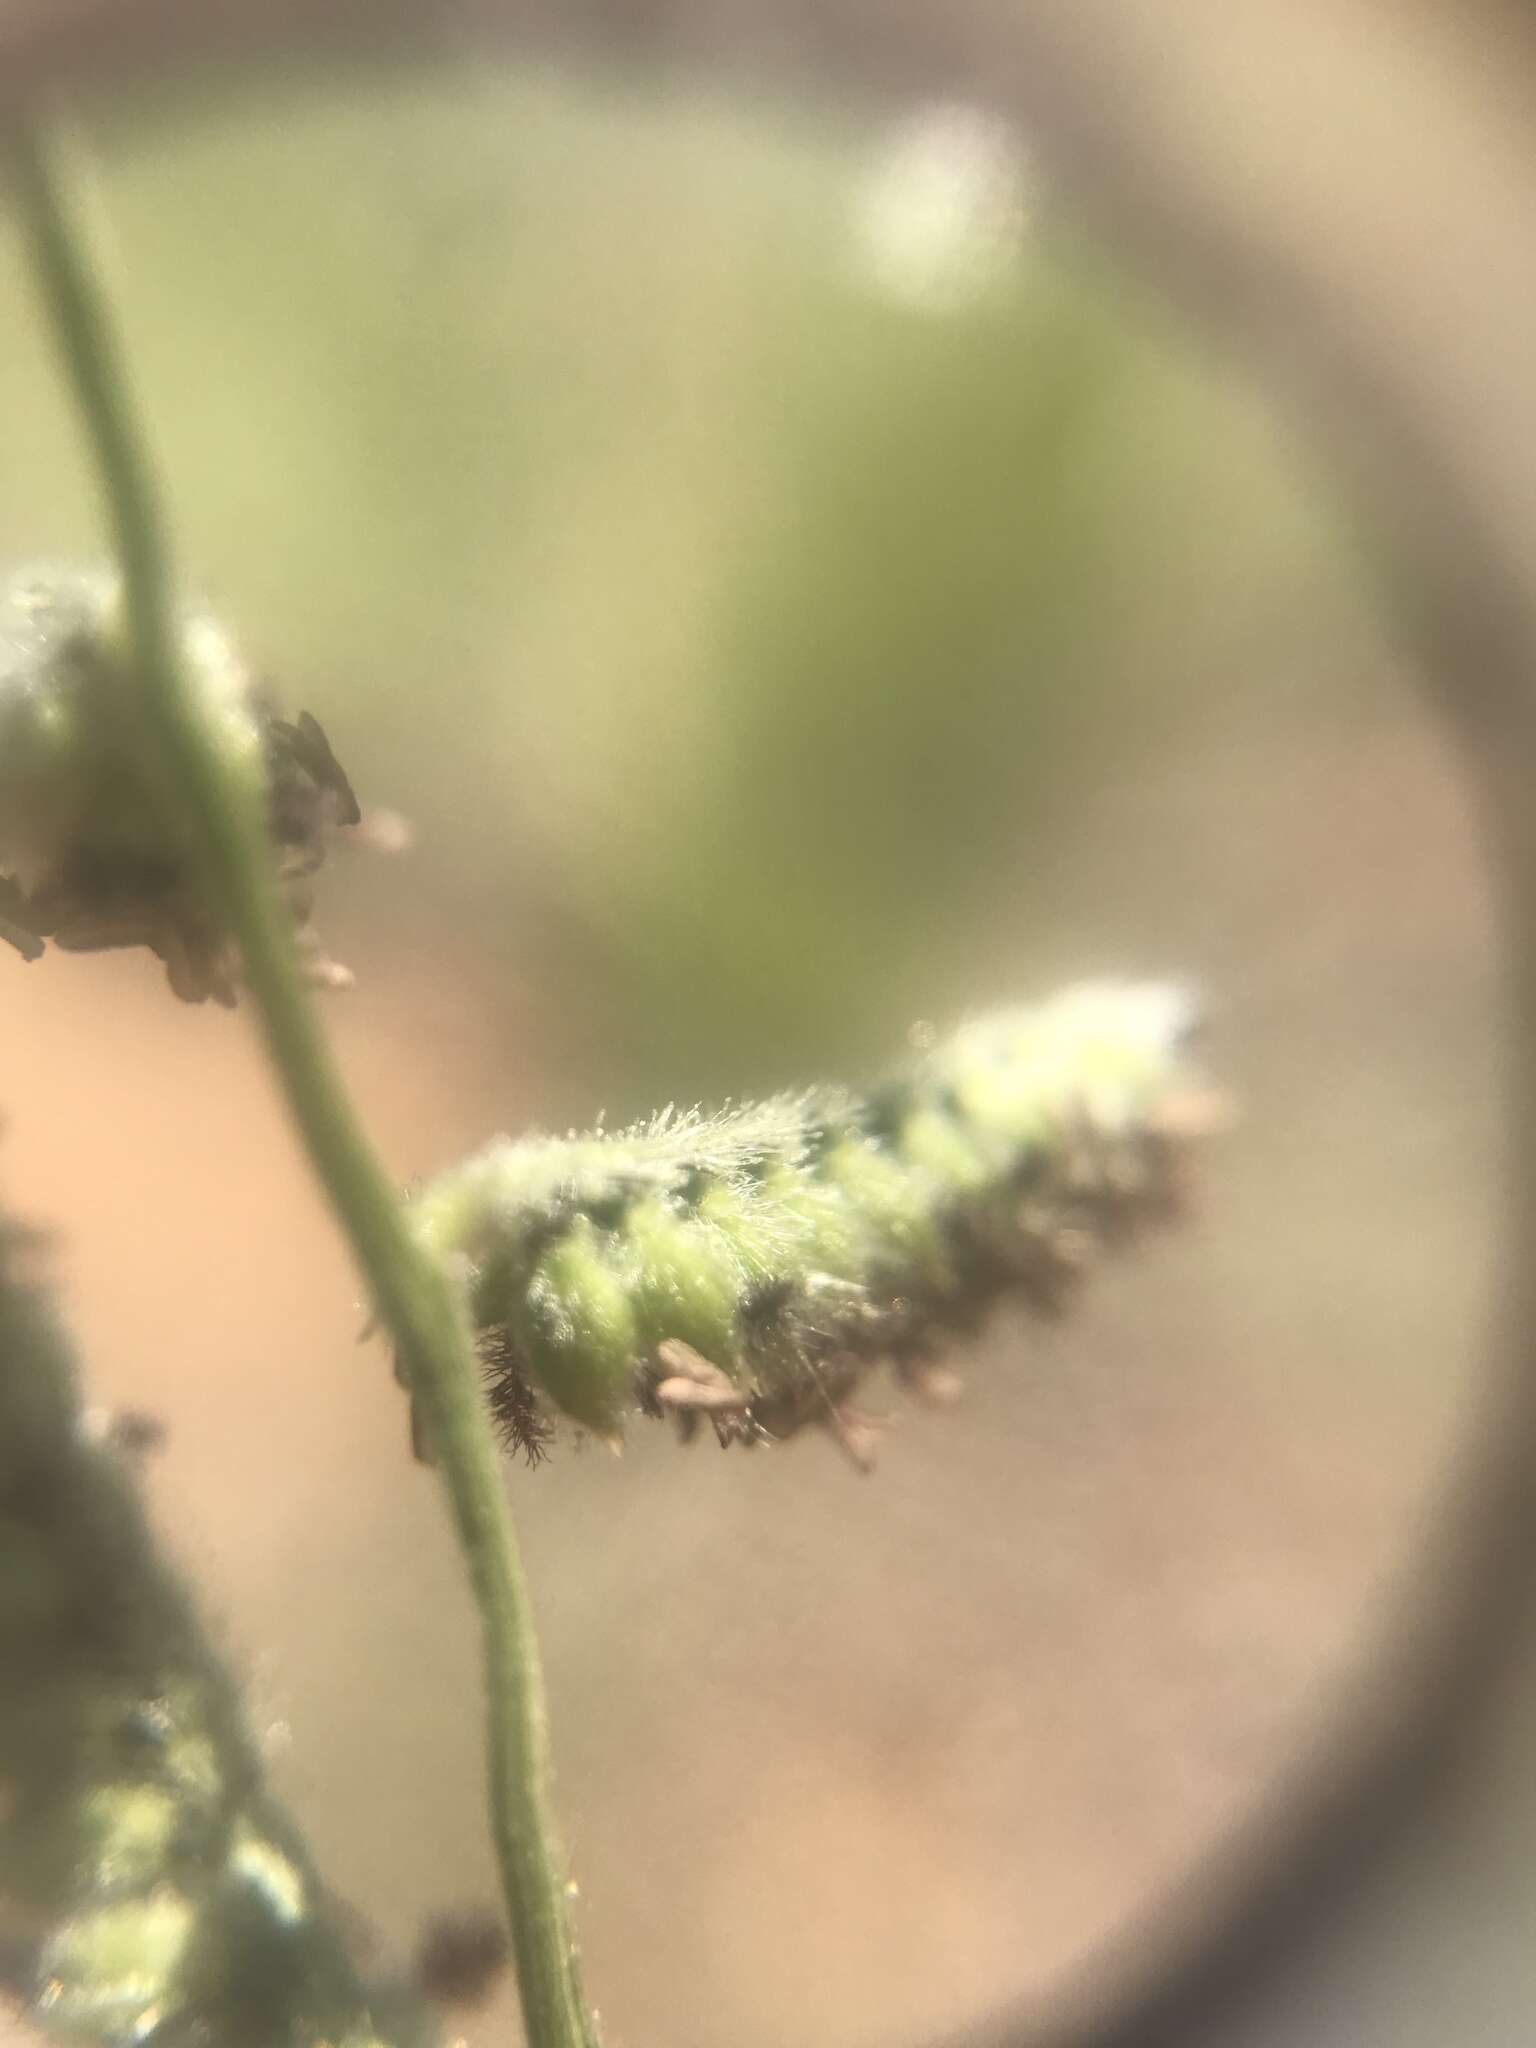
(796, 585)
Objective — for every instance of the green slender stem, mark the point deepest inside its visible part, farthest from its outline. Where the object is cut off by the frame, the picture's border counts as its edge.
(412, 1296)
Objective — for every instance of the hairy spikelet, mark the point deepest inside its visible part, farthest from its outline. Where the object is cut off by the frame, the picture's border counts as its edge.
(94, 852)
(751, 1267)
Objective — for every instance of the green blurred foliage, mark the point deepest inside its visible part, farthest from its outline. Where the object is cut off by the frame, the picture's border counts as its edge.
(732, 630)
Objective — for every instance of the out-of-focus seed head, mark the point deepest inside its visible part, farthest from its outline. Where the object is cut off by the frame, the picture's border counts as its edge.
(95, 849)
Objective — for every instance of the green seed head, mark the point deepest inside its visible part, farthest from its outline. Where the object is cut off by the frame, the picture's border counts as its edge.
(751, 1267)
(578, 1326)
(95, 850)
